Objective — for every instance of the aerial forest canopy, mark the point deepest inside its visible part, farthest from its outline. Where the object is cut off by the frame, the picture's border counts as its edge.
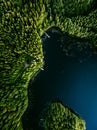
(60, 117)
(22, 24)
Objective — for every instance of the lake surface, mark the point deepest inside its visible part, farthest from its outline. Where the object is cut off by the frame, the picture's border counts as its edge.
(67, 79)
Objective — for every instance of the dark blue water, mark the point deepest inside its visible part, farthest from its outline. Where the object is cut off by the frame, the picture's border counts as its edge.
(67, 79)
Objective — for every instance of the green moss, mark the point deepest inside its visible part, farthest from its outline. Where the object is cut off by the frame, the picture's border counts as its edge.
(21, 28)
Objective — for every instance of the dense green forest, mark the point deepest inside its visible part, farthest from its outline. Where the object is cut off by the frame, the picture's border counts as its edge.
(59, 117)
(22, 23)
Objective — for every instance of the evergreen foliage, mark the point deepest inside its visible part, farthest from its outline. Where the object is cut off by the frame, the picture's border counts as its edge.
(60, 117)
(22, 23)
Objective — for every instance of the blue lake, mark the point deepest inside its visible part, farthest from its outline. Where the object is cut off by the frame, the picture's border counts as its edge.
(67, 79)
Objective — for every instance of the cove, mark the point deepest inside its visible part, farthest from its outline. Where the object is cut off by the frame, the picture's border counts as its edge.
(63, 78)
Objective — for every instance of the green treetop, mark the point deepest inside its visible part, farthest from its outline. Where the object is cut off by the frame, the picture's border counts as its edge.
(60, 117)
(22, 23)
